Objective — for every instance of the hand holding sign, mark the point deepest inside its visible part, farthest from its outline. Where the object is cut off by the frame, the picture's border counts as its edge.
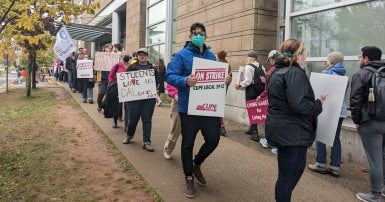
(191, 80)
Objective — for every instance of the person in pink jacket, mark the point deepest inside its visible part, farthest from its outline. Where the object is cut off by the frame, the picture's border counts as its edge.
(175, 129)
(118, 68)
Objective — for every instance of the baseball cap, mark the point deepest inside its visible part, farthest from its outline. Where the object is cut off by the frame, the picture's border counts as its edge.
(142, 50)
(271, 54)
(252, 54)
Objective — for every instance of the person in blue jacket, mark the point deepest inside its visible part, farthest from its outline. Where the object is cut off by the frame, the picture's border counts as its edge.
(179, 75)
(334, 66)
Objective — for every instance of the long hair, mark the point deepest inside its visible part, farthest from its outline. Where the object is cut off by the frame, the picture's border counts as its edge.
(161, 67)
(290, 49)
(250, 60)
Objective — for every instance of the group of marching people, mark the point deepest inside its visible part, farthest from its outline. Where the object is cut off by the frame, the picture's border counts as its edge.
(292, 112)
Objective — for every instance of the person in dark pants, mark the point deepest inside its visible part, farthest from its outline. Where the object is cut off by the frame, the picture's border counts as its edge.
(179, 75)
(140, 109)
(371, 127)
(102, 83)
(291, 121)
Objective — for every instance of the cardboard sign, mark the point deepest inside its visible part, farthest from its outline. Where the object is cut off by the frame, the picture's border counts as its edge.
(207, 97)
(63, 45)
(257, 110)
(105, 60)
(85, 69)
(335, 86)
(136, 85)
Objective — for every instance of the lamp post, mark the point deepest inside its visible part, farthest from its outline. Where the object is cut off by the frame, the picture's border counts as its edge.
(6, 76)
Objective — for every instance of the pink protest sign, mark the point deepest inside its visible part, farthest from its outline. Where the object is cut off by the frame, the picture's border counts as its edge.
(257, 110)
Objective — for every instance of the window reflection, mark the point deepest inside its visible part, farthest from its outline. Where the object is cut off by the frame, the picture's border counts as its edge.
(156, 34)
(344, 29)
(299, 5)
(157, 12)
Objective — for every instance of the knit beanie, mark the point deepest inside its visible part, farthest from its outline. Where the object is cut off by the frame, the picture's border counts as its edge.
(335, 57)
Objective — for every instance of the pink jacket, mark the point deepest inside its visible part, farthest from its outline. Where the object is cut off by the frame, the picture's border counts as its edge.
(172, 90)
(113, 71)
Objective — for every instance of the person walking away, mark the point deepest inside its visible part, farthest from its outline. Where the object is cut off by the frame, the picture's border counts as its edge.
(141, 109)
(367, 105)
(271, 58)
(221, 57)
(292, 116)
(334, 63)
(159, 66)
(179, 75)
(254, 83)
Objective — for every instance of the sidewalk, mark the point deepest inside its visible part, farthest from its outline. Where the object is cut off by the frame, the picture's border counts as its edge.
(236, 171)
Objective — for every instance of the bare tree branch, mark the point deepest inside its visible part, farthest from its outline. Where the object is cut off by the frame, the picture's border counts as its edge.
(5, 16)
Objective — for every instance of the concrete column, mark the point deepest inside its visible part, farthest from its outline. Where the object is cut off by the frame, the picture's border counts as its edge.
(92, 50)
(116, 29)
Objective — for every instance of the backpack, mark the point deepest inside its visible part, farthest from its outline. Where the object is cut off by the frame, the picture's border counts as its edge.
(377, 82)
(258, 83)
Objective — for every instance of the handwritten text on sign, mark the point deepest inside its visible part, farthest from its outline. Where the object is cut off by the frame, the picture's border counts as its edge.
(84, 69)
(257, 110)
(136, 85)
(105, 60)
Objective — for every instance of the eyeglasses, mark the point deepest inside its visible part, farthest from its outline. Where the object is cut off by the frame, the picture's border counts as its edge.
(199, 33)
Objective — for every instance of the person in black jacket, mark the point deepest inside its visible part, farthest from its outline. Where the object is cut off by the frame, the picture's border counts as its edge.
(371, 129)
(292, 116)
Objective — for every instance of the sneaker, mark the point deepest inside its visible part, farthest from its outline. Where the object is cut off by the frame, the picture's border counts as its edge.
(334, 173)
(189, 190)
(316, 168)
(84, 101)
(254, 136)
(222, 131)
(99, 109)
(167, 155)
(148, 147)
(263, 142)
(371, 197)
(383, 192)
(115, 125)
(127, 140)
(274, 150)
(198, 174)
(91, 101)
(160, 103)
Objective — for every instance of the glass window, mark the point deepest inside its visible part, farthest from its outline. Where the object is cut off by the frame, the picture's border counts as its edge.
(156, 52)
(156, 34)
(157, 12)
(152, 1)
(345, 29)
(299, 5)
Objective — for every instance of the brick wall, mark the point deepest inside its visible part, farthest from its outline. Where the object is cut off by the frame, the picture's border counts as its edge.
(135, 25)
(236, 26)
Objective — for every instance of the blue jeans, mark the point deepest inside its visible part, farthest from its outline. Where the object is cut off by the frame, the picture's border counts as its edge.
(372, 135)
(88, 93)
(291, 164)
(141, 109)
(335, 151)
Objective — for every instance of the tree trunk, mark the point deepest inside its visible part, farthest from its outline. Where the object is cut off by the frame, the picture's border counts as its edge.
(34, 72)
(31, 56)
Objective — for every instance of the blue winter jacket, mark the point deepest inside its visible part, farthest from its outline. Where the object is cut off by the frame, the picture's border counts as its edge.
(180, 68)
(339, 69)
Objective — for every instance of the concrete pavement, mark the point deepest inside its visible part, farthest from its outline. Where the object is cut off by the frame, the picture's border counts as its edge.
(238, 170)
